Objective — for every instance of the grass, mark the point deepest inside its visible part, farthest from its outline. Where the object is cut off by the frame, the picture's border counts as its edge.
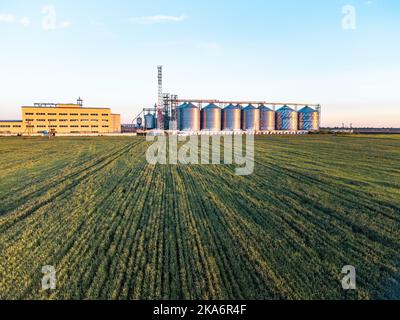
(116, 227)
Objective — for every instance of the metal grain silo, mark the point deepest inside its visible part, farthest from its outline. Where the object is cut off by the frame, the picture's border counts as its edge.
(231, 118)
(267, 119)
(308, 119)
(178, 115)
(211, 118)
(251, 118)
(150, 121)
(286, 119)
(189, 116)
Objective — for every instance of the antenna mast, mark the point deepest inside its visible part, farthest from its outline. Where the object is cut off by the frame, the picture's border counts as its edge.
(160, 118)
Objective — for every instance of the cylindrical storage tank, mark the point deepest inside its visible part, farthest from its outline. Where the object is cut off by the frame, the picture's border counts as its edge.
(308, 119)
(178, 116)
(189, 116)
(231, 118)
(267, 119)
(211, 118)
(251, 118)
(149, 121)
(286, 119)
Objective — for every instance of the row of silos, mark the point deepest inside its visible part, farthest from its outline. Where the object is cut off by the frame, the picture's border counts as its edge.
(251, 118)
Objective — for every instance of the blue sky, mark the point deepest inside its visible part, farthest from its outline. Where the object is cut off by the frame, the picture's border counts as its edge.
(299, 51)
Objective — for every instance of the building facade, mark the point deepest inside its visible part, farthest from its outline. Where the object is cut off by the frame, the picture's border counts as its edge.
(11, 127)
(63, 118)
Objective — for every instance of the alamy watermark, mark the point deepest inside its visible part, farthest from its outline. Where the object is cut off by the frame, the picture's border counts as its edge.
(349, 19)
(175, 150)
(349, 280)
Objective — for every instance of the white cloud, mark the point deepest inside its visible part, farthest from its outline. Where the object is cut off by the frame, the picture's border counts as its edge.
(65, 24)
(10, 18)
(157, 19)
(25, 21)
(5, 17)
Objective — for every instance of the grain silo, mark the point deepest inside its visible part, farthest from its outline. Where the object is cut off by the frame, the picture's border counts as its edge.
(231, 118)
(150, 121)
(286, 119)
(308, 119)
(189, 116)
(211, 118)
(251, 118)
(178, 115)
(267, 119)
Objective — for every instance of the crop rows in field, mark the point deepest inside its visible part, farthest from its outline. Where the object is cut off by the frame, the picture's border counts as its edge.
(116, 227)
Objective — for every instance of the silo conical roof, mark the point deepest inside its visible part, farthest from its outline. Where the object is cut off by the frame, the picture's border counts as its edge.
(231, 106)
(250, 107)
(285, 108)
(264, 108)
(307, 109)
(211, 106)
(188, 106)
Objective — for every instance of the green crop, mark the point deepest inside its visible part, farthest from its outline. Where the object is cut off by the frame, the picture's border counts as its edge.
(116, 227)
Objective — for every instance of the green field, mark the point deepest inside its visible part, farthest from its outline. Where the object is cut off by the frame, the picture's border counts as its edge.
(116, 227)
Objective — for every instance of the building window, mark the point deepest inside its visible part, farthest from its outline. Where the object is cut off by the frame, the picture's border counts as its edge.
(105, 114)
(84, 114)
(63, 120)
(84, 120)
(4, 126)
(29, 120)
(52, 120)
(64, 126)
(95, 126)
(52, 114)
(29, 114)
(74, 120)
(94, 120)
(16, 126)
(105, 126)
(94, 114)
(74, 126)
(41, 120)
(40, 114)
(74, 114)
(63, 114)
(52, 126)
(41, 126)
(84, 126)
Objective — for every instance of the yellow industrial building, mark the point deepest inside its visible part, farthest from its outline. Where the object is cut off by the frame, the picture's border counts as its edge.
(11, 126)
(64, 119)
